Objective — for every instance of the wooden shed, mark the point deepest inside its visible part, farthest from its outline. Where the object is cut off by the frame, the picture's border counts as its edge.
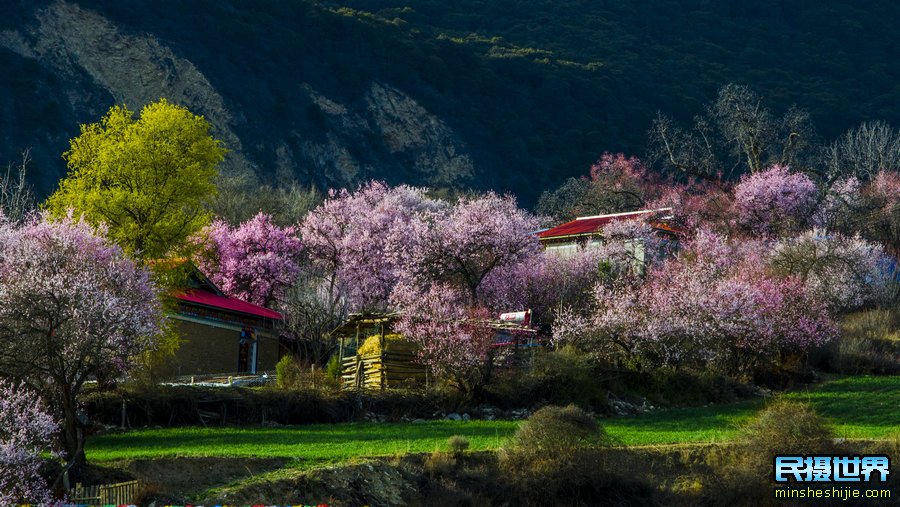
(372, 357)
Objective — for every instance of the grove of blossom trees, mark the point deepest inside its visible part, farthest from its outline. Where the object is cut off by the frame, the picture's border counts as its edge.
(764, 267)
(712, 305)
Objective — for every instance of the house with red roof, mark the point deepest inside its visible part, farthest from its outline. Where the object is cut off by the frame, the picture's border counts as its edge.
(565, 239)
(222, 334)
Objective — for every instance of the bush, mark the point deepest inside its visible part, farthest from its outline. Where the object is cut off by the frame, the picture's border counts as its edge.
(440, 463)
(443, 463)
(556, 430)
(288, 372)
(457, 444)
(293, 374)
(869, 343)
(786, 426)
(333, 368)
(558, 453)
(783, 427)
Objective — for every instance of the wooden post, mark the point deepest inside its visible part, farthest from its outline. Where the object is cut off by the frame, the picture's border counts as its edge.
(383, 365)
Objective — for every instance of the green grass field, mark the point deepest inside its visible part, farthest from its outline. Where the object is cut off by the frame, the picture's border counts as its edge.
(318, 442)
(856, 407)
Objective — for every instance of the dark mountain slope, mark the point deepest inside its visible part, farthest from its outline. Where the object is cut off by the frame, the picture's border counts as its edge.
(505, 94)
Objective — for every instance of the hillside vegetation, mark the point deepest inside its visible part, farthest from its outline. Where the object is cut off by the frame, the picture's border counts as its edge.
(509, 94)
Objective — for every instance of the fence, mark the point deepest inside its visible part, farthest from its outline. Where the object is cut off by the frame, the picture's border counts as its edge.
(122, 493)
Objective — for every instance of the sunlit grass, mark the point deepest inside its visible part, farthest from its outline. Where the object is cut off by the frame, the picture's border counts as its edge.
(856, 407)
(320, 442)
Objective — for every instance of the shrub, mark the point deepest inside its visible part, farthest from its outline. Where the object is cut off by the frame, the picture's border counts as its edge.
(457, 444)
(444, 463)
(293, 374)
(440, 463)
(558, 453)
(556, 430)
(785, 426)
(287, 371)
(869, 343)
(333, 368)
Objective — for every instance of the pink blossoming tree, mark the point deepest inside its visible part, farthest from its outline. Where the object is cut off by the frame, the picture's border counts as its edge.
(451, 333)
(26, 430)
(463, 247)
(255, 261)
(72, 307)
(774, 201)
(879, 219)
(443, 281)
(358, 239)
(620, 183)
(847, 273)
(545, 283)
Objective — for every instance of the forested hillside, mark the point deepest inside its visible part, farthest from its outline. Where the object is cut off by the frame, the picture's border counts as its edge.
(504, 94)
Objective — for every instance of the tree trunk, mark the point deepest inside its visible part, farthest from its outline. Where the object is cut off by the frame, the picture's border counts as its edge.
(72, 431)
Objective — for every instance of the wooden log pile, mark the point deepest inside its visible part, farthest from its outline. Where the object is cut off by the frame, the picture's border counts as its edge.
(385, 370)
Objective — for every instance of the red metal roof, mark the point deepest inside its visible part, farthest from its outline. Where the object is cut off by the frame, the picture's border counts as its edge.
(593, 225)
(213, 300)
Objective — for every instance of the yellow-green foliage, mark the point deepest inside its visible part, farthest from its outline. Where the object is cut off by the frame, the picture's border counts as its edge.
(393, 341)
(147, 179)
(293, 374)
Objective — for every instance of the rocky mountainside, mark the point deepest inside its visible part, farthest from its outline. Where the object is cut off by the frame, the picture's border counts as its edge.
(514, 95)
(81, 63)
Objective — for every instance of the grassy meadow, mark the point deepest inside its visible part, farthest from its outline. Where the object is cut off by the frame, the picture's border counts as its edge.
(857, 407)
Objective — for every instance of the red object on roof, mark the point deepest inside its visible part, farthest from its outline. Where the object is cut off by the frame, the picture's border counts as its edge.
(593, 225)
(214, 300)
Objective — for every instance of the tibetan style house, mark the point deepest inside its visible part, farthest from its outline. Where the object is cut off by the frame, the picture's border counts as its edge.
(588, 231)
(221, 334)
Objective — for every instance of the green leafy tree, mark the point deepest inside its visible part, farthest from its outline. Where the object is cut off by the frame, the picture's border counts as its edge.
(147, 179)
